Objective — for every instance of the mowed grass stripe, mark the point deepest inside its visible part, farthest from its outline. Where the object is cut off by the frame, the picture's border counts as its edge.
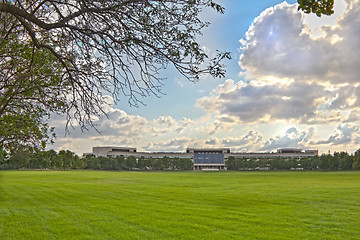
(179, 205)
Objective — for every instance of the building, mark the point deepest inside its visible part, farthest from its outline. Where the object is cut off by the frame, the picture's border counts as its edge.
(289, 150)
(127, 152)
(210, 159)
(112, 151)
(204, 159)
(282, 152)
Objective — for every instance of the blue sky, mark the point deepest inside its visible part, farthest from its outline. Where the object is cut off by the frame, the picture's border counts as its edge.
(224, 34)
(292, 82)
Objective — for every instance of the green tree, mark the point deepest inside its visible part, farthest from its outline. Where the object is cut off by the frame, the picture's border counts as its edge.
(130, 163)
(29, 90)
(166, 163)
(241, 163)
(277, 163)
(108, 163)
(186, 164)
(183, 164)
(305, 163)
(58, 162)
(50, 158)
(4, 164)
(120, 162)
(356, 163)
(104, 163)
(92, 162)
(45, 159)
(20, 157)
(36, 160)
(78, 163)
(262, 163)
(141, 163)
(318, 7)
(68, 158)
(65, 55)
(325, 161)
(230, 163)
(346, 162)
(334, 161)
(315, 162)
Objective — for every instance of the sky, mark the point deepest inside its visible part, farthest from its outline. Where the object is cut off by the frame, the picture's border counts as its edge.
(293, 81)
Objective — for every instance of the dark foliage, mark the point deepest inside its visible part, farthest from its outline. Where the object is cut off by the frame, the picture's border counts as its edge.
(25, 157)
(318, 7)
(327, 162)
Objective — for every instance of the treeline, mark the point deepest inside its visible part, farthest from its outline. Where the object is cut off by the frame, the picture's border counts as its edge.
(133, 163)
(337, 161)
(28, 158)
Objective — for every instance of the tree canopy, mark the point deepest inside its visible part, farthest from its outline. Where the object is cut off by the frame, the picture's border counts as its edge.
(63, 56)
(30, 89)
(318, 7)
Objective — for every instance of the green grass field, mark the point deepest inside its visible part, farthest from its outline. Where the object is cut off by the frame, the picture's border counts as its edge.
(179, 205)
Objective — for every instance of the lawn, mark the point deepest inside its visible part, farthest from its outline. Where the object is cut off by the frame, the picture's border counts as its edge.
(179, 205)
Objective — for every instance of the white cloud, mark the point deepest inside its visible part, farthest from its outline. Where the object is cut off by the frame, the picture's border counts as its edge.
(247, 143)
(116, 128)
(292, 76)
(279, 44)
(293, 138)
(343, 134)
(275, 45)
(183, 124)
(250, 103)
(295, 77)
(250, 141)
(163, 124)
(175, 144)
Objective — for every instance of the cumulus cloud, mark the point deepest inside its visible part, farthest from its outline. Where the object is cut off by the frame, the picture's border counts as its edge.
(213, 142)
(343, 134)
(247, 143)
(183, 124)
(254, 141)
(116, 128)
(118, 124)
(276, 45)
(248, 102)
(250, 141)
(163, 124)
(221, 123)
(292, 76)
(346, 97)
(293, 138)
(279, 44)
(175, 144)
